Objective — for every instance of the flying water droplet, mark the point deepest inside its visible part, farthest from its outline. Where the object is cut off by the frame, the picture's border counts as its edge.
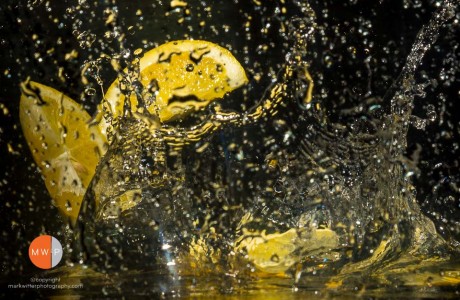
(90, 91)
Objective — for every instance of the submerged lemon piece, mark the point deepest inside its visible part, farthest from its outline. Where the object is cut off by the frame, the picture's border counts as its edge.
(178, 78)
(64, 147)
(277, 252)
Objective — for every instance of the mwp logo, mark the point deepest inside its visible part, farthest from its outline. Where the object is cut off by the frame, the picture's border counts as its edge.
(45, 252)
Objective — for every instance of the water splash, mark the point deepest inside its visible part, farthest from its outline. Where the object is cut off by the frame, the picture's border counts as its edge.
(294, 178)
(343, 164)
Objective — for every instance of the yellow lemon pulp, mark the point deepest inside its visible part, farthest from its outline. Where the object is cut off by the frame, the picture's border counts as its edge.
(181, 77)
(64, 147)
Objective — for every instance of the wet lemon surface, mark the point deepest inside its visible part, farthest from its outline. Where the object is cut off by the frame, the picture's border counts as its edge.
(178, 77)
(64, 146)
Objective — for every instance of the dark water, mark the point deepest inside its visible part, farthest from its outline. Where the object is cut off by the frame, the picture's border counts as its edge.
(372, 161)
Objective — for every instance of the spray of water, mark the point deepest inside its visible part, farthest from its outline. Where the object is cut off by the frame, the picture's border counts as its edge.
(267, 183)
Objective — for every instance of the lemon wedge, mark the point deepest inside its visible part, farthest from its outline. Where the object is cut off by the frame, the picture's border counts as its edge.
(181, 77)
(63, 146)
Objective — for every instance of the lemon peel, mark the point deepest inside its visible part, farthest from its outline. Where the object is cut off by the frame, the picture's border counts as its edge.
(181, 77)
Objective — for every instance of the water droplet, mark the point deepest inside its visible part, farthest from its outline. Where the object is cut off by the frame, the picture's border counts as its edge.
(126, 53)
(189, 68)
(278, 187)
(417, 122)
(68, 205)
(431, 113)
(131, 30)
(165, 247)
(90, 91)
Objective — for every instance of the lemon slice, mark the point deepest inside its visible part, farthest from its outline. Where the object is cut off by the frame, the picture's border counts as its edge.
(184, 76)
(277, 252)
(64, 147)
